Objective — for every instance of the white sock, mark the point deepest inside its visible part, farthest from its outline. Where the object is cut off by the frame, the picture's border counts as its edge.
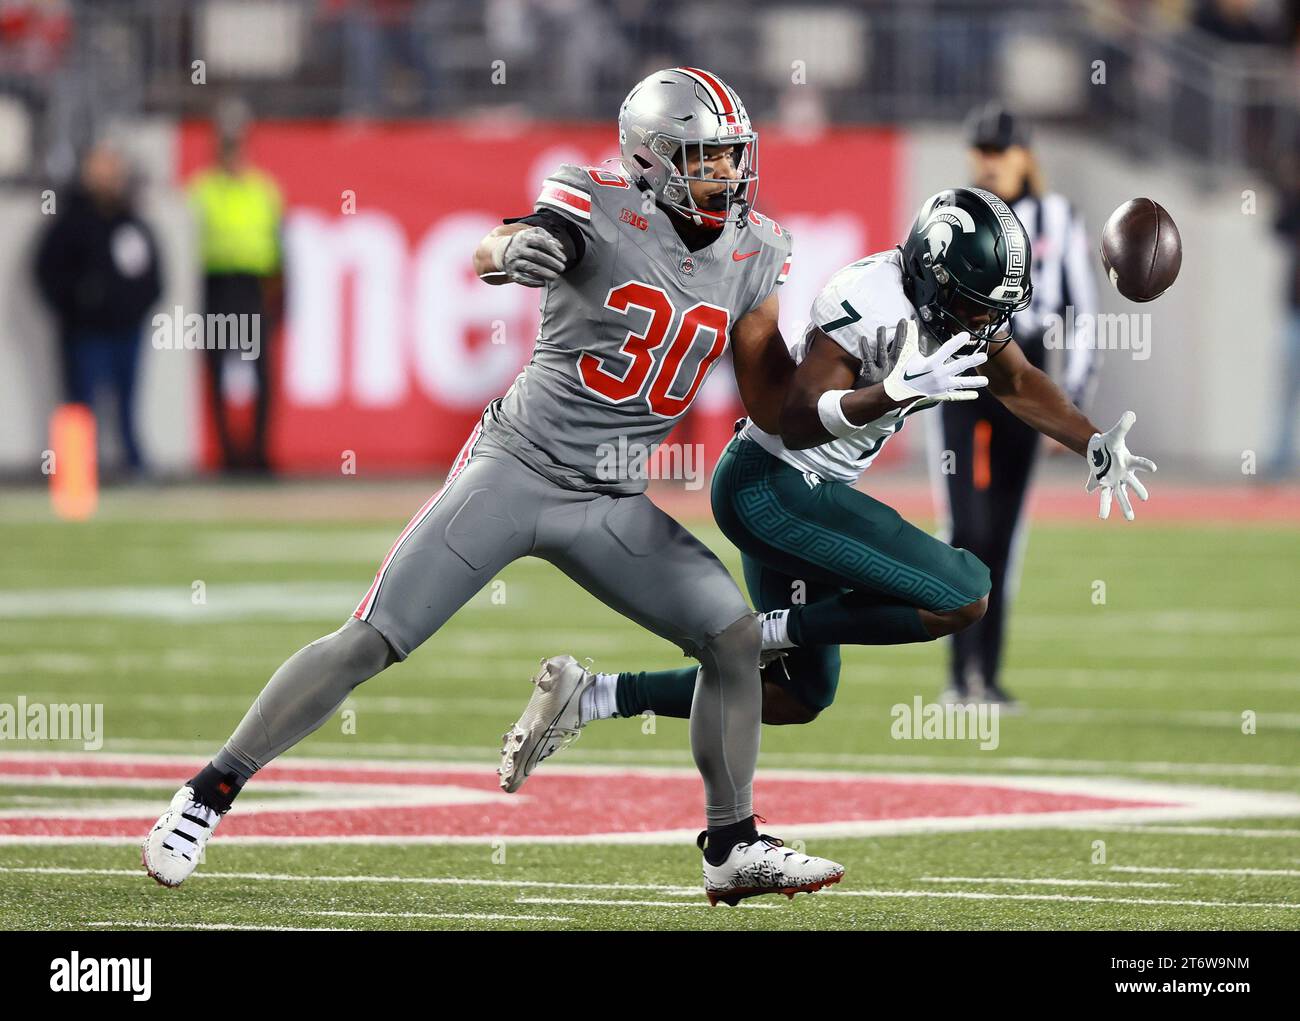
(776, 635)
(599, 701)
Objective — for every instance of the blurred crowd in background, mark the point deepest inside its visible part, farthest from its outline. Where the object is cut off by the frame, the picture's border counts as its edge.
(1216, 81)
(1218, 76)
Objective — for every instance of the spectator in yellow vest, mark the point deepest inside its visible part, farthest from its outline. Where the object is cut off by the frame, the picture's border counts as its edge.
(239, 212)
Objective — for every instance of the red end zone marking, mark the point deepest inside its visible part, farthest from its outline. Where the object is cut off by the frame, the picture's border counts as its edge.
(561, 803)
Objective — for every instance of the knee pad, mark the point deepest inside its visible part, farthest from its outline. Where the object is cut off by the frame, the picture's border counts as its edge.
(738, 643)
(360, 647)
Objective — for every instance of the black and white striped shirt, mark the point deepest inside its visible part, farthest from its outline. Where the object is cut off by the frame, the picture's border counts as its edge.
(1063, 278)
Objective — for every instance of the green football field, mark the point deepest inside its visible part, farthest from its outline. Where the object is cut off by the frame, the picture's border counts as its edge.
(1161, 662)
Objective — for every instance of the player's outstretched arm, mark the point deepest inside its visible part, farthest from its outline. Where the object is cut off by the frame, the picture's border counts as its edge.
(1032, 397)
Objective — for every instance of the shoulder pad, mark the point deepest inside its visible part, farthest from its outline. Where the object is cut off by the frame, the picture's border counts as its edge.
(589, 196)
(768, 231)
(777, 247)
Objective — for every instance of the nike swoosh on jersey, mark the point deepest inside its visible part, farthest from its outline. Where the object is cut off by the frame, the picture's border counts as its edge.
(740, 257)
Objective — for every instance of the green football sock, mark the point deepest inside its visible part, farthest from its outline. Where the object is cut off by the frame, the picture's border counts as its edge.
(662, 692)
(856, 618)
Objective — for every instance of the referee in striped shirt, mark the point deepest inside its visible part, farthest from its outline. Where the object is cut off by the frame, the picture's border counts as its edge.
(983, 497)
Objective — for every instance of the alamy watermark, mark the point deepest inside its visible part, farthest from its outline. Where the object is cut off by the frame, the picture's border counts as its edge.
(933, 721)
(179, 330)
(54, 721)
(1103, 331)
(77, 974)
(683, 462)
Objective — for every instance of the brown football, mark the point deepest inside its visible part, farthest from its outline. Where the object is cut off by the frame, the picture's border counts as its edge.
(1141, 249)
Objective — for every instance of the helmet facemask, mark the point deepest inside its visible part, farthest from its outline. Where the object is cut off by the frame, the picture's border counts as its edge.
(957, 307)
(675, 152)
(666, 126)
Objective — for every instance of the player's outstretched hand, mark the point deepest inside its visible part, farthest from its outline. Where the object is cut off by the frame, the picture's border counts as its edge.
(1111, 467)
(533, 257)
(937, 377)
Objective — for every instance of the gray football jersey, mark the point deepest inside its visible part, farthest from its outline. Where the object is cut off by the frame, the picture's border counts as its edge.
(629, 334)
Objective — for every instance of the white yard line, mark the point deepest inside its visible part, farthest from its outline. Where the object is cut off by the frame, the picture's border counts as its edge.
(294, 601)
(442, 914)
(1065, 897)
(275, 877)
(1206, 831)
(383, 705)
(634, 903)
(1164, 870)
(1208, 718)
(208, 925)
(1128, 884)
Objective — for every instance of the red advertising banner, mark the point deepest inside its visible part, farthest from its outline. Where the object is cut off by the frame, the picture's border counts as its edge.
(391, 346)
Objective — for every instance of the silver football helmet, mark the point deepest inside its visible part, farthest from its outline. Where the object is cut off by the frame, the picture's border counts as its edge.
(675, 113)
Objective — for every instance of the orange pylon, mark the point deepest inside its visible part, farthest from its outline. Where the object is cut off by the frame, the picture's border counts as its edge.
(74, 475)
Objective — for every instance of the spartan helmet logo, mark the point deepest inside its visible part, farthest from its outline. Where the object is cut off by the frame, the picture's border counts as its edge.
(938, 229)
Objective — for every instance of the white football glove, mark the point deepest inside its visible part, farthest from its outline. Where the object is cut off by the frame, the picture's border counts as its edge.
(933, 376)
(1111, 467)
(532, 257)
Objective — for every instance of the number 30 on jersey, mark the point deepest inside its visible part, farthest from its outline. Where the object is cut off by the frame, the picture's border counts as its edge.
(638, 349)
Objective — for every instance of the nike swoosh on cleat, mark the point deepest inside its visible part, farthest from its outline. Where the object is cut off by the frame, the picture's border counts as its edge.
(740, 257)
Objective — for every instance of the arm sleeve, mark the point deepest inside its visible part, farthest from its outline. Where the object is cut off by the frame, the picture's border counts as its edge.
(566, 204)
(1080, 291)
(575, 245)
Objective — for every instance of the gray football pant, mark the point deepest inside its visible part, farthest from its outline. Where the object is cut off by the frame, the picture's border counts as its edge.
(622, 549)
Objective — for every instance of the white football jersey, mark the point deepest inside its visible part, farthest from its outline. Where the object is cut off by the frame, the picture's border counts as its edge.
(860, 309)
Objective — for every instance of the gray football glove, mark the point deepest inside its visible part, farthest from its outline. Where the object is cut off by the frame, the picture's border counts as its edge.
(533, 257)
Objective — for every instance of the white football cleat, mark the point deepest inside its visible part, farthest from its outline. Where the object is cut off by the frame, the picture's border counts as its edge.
(174, 846)
(765, 866)
(551, 720)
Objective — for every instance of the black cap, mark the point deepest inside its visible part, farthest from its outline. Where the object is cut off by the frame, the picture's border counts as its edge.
(992, 126)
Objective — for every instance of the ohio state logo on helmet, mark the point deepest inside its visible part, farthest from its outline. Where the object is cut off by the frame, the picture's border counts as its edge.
(665, 125)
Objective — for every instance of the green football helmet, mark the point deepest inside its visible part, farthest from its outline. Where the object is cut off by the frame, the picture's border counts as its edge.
(966, 266)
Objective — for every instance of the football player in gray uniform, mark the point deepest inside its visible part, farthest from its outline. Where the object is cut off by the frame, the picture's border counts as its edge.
(890, 335)
(646, 272)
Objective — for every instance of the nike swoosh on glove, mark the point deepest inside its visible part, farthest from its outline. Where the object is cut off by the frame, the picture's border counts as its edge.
(1111, 467)
(933, 376)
